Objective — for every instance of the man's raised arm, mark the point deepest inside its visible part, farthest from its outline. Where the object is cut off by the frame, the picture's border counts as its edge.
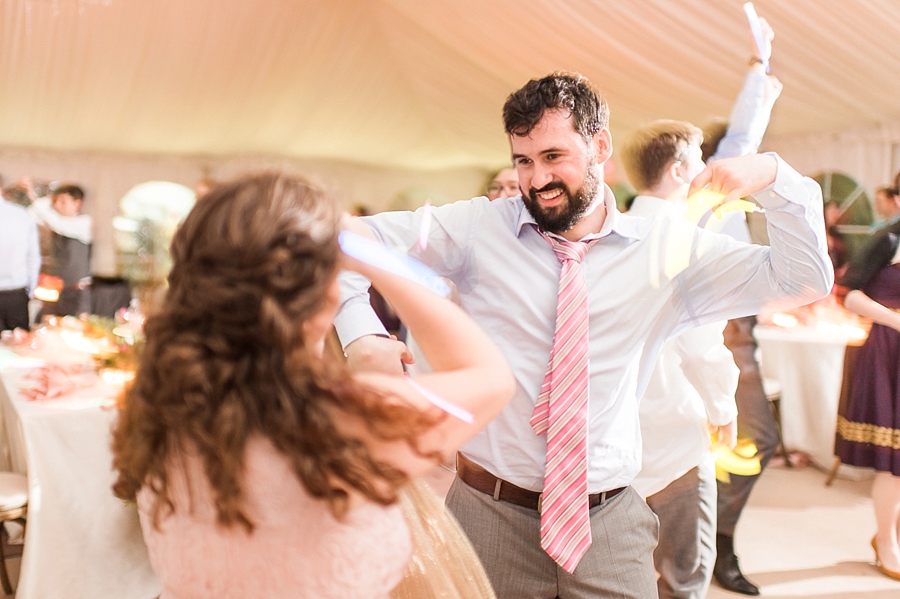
(366, 342)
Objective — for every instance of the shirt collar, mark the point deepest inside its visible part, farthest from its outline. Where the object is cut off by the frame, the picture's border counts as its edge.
(613, 223)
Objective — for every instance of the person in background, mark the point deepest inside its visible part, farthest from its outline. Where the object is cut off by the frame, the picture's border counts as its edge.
(867, 434)
(741, 135)
(20, 264)
(504, 184)
(690, 392)
(552, 515)
(70, 232)
(261, 468)
(837, 247)
(887, 206)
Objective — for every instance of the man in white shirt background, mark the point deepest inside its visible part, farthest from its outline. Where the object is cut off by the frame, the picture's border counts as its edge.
(70, 234)
(20, 264)
(644, 283)
(692, 386)
(741, 135)
(663, 157)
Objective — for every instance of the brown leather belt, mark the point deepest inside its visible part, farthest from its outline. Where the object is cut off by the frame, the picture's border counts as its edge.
(481, 480)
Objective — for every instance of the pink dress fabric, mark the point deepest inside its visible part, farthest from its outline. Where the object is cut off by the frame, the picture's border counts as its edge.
(297, 550)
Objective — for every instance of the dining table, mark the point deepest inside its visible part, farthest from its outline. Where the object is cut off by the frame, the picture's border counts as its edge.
(81, 542)
(807, 361)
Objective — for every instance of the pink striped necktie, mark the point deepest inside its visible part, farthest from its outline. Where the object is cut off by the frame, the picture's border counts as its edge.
(561, 413)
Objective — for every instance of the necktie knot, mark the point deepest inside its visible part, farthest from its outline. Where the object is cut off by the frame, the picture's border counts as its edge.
(568, 250)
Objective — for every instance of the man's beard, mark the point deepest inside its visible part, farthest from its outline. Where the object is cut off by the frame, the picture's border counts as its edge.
(566, 215)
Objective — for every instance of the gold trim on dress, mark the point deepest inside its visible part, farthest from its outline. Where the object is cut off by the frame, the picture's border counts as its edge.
(861, 432)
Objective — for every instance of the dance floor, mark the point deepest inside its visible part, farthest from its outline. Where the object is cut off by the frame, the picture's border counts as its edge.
(797, 538)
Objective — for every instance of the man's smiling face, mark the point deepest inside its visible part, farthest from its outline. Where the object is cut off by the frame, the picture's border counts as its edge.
(558, 171)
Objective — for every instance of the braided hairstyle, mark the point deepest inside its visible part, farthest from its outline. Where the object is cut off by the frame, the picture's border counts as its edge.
(225, 357)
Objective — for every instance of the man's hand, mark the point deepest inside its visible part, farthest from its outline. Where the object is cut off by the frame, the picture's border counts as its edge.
(373, 353)
(725, 434)
(737, 177)
(773, 88)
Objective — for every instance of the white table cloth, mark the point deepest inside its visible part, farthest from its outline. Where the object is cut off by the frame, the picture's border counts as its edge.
(81, 541)
(808, 362)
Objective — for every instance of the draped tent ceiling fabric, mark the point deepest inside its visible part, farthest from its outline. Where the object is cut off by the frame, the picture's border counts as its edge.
(413, 84)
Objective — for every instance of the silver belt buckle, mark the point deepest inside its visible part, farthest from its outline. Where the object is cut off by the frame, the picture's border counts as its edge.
(540, 503)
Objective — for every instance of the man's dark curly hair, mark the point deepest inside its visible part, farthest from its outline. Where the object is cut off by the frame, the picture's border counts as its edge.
(570, 91)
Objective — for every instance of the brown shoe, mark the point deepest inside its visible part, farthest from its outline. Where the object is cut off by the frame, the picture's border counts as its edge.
(889, 573)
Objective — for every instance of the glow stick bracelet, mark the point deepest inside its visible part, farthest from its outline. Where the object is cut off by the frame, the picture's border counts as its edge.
(756, 30)
(390, 260)
(437, 400)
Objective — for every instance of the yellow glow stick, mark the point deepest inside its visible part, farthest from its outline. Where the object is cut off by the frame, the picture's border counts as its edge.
(704, 200)
(701, 202)
(743, 460)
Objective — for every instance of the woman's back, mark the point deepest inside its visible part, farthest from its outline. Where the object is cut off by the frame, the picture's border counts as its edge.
(297, 549)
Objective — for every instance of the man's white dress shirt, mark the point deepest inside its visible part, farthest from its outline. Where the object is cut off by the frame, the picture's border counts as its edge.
(647, 280)
(20, 252)
(693, 383)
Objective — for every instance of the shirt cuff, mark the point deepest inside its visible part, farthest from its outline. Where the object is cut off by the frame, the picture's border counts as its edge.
(723, 413)
(355, 321)
(788, 187)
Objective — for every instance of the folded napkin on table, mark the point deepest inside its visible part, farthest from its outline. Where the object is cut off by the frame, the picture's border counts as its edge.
(53, 381)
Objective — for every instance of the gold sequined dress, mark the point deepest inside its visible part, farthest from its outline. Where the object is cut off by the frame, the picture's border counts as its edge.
(443, 565)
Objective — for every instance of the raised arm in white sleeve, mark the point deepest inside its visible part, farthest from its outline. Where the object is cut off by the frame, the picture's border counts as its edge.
(77, 227)
(749, 116)
(445, 252)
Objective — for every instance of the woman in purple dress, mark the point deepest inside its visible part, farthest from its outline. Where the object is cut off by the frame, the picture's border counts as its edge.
(868, 434)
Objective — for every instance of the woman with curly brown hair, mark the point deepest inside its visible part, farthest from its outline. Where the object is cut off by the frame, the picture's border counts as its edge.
(259, 467)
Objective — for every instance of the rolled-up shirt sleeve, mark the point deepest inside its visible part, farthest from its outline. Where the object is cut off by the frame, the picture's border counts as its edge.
(446, 251)
(355, 318)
